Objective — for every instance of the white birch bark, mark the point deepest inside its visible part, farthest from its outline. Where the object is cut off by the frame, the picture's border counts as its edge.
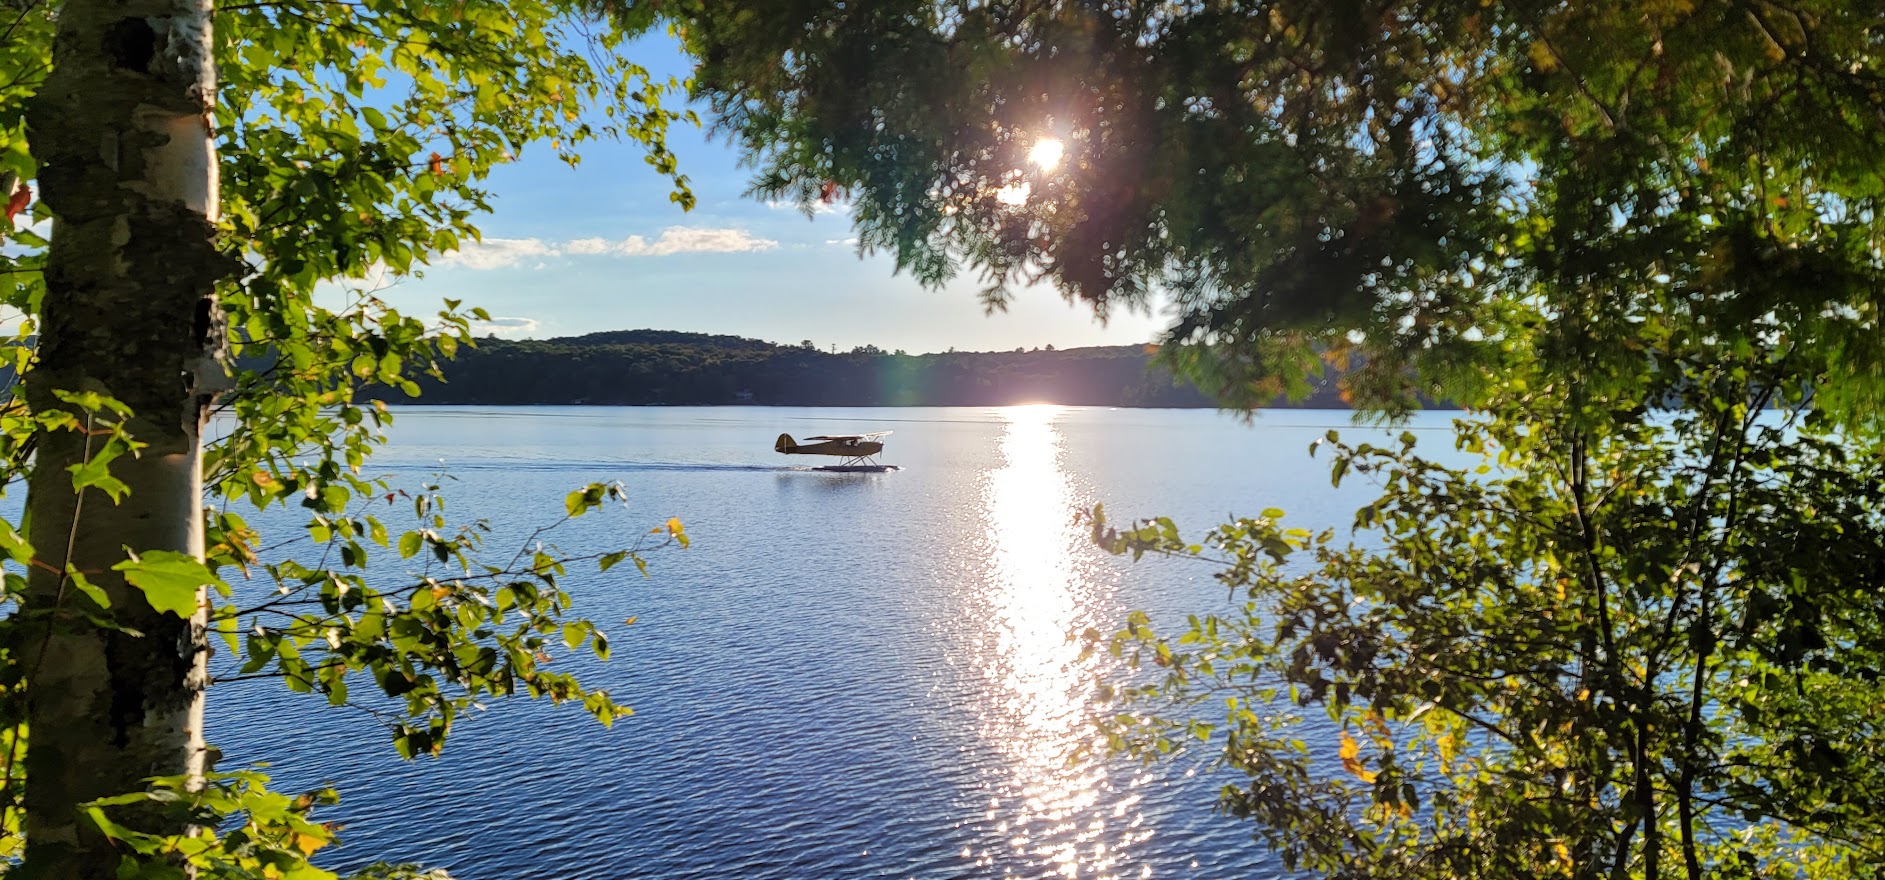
(127, 164)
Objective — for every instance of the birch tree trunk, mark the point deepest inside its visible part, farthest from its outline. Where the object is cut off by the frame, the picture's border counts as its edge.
(127, 164)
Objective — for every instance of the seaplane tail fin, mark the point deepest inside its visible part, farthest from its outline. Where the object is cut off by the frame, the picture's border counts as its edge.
(785, 444)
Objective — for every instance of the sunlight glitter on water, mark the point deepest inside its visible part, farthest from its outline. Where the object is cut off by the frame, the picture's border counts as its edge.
(1038, 593)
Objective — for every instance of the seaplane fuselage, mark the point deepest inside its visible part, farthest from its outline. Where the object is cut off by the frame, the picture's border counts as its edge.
(846, 447)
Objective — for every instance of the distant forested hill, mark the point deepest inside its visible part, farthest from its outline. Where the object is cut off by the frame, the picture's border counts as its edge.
(627, 367)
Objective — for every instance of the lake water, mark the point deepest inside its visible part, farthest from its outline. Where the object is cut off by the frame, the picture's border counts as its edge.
(847, 676)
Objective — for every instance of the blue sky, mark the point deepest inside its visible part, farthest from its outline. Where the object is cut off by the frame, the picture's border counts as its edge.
(600, 247)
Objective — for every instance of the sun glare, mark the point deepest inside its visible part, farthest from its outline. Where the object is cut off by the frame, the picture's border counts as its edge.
(1014, 195)
(1046, 153)
(1039, 589)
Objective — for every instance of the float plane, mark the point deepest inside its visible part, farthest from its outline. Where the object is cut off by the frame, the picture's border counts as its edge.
(857, 453)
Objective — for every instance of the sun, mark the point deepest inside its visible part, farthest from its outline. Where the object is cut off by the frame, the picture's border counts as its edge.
(1046, 153)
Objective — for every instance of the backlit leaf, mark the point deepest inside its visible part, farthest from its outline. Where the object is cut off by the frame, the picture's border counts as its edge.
(169, 580)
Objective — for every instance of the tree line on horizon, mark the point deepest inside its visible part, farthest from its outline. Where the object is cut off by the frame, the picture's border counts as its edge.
(653, 367)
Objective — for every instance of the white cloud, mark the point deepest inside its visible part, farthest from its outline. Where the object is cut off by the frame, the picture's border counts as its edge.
(502, 325)
(819, 207)
(497, 253)
(506, 253)
(684, 240)
(841, 242)
(22, 222)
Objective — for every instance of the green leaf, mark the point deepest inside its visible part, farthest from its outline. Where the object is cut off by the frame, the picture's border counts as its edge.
(95, 473)
(14, 544)
(84, 585)
(169, 580)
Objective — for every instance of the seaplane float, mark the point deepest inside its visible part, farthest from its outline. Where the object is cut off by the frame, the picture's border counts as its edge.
(856, 453)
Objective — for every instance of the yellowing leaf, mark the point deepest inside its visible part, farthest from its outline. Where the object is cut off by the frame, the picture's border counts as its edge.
(674, 525)
(308, 843)
(1378, 724)
(1351, 758)
(1449, 747)
(1542, 57)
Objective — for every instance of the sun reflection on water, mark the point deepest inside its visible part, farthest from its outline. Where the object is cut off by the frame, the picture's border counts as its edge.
(1040, 588)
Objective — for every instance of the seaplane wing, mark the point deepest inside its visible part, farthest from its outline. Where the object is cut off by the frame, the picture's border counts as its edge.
(870, 436)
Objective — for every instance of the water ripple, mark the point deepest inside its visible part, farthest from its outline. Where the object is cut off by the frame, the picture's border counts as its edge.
(844, 678)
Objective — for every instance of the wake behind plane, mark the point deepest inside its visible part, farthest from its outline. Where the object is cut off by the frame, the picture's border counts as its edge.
(857, 453)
